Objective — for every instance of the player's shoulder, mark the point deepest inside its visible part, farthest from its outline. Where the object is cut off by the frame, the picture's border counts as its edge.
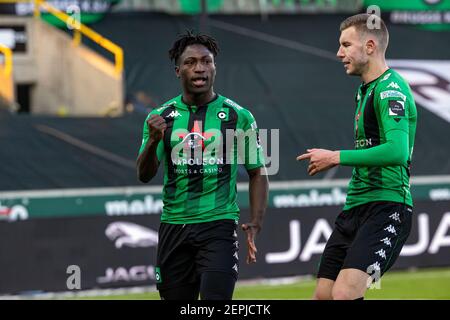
(240, 110)
(392, 80)
(232, 104)
(160, 109)
(393, 85)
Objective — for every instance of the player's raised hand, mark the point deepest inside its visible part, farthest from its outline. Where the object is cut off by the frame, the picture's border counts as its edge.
(156, 125)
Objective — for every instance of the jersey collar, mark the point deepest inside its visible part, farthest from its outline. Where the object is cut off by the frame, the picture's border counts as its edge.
(365, 86)
(374, 81)
(182, 105)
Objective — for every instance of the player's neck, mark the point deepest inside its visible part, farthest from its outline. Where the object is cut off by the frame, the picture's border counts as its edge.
(199, 99)
(375, 69)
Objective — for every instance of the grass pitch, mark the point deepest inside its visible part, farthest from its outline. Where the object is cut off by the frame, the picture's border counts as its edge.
(424, 284)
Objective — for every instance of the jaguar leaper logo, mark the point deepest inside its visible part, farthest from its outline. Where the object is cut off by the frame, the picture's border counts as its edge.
(131, 235)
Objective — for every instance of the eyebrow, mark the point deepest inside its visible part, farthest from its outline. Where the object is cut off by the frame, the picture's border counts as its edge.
(193, 57)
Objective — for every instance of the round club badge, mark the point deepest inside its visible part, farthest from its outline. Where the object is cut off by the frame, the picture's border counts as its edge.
(221, 115)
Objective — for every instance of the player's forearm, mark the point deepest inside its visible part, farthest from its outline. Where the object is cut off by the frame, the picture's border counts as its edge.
(393, 152)
(147, 162)
(259, 191)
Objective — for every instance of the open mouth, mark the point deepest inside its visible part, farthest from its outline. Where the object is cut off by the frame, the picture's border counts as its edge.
(346, 64)
(199, 81)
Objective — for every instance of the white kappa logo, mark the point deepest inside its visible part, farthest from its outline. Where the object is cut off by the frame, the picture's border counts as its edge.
(173, 114)
(394, 85)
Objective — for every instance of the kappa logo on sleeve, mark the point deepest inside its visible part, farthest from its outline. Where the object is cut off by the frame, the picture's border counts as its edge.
(174, 114)
(394, 85)
(396, 108)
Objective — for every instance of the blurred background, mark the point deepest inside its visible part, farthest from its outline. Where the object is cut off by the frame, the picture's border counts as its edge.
(78, 78)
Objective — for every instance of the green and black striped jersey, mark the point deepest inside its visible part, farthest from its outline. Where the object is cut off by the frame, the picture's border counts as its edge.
(201, 149)
(384, 108)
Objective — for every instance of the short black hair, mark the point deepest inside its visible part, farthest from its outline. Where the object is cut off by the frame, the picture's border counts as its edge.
(189, 38)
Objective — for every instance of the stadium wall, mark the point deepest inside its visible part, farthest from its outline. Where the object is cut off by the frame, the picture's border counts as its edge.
(118, 248)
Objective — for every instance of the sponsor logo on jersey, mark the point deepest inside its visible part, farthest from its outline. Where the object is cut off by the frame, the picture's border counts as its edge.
(198, 162)
(392, 94)
(396, 108)
(361, 143)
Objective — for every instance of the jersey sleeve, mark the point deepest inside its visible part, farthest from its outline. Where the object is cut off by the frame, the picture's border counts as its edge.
(393, 152)
(252, 154)
(393, 106)
(145, 137)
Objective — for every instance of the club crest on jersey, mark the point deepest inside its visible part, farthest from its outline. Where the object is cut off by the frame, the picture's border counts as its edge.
(223, 114)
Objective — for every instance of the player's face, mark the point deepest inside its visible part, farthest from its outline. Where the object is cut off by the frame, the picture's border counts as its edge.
(351, 52)
(196, 69)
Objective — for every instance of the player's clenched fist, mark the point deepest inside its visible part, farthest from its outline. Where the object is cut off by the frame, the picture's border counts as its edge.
(156, 125)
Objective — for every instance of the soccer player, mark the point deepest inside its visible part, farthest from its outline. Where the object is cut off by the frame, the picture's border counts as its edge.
(376, 219)
(190, 134)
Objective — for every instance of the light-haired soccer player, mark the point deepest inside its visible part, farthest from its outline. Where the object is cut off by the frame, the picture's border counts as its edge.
(376, 220)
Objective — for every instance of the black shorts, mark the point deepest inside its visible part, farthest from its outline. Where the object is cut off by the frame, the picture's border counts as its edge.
(368, 237)
(185, 251)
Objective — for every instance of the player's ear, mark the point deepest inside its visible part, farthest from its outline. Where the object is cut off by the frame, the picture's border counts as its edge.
(177, 71)
(370, 46)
